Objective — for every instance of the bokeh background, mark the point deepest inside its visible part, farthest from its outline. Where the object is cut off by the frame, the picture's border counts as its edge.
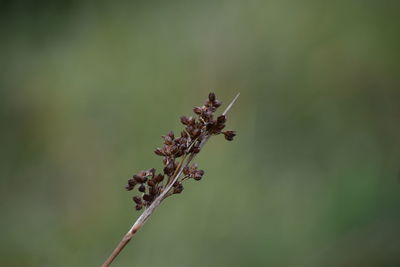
(312, 179)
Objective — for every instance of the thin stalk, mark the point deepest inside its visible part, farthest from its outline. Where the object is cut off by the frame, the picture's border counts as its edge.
(146, 214)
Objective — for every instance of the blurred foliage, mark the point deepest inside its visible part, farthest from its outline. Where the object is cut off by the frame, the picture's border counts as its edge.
(312, 179)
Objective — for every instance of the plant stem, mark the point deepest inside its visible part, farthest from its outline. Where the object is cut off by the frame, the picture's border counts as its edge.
(146, 214)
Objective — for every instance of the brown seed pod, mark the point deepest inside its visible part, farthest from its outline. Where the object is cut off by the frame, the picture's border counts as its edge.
(174, 149)
(147, 197)
(198, 175)
(137, 200)
(150, 172)
(151, 182)
(184, 120)
(168, 140)
(153, 191)
(158, 178)
(142, 188)
(184, 134)
(170, 168)
(219, 127)
(191, 121)
(171, 134)
(185, 170)
(221, 119)
(139, 179)
(128, 187)
(179, 153)
(197, 110)
(131, 184)
(159, 152)
(178, 189)
(211, 97)
(217, 103)
(229, 135)
(195, 133)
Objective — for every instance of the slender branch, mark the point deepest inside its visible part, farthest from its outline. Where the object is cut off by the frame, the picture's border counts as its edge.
(146, 214)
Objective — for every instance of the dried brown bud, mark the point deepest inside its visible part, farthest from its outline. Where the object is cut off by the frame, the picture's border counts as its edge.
(174, 150)
(197, 110)
(179, 153)
(128, 187)
(137, 200)
(217, 103)
(167, 140)
(184, 134)
(191, 121)
(221, 119)
(150, 172)
(211, 125)
(195, 133)
(207, 115)
(198, 175)
(142, 188)
(158, 178)
(219, 127)
(169, 169)
(138, 207)
(139, 179)
(151, 183)
(184, 120)
(171, 134)
(159, 152)
(178, 188)
(153, 191)
(229, 135)
(131, 184)
(147, 197)
(186, 170)
(211, 97)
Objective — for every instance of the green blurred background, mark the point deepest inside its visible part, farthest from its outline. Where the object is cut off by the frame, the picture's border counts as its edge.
(312, 179)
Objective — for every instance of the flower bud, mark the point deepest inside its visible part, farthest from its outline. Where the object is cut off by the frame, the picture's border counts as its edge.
(147, 197)
(151, 183)
(197, 110)
(221, 119)
(137, 199)
(211, 97)
(178, 189)
(142, 188)
(229, 135)
(184, 120)
(139, 179)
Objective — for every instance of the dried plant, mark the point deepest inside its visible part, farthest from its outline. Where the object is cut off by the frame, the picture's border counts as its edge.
(177, 153)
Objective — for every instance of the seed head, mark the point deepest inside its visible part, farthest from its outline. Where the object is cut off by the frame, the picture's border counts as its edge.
(176, 149)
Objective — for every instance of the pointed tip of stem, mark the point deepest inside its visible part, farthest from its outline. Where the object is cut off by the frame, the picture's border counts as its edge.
(231, 104)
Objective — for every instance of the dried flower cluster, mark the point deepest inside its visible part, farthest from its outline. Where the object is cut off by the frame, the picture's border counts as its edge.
(177, 154)
(174, 152)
